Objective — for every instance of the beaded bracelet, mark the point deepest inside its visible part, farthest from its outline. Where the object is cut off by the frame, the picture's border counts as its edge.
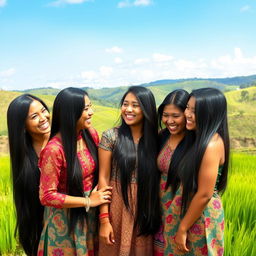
(87, 203)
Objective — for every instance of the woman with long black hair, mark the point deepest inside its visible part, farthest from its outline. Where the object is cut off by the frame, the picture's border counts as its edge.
(127, 159)
(172, 146)
(69, 166)
(197, 219)
(28, 132)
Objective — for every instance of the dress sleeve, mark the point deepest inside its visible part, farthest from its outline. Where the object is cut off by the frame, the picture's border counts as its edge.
(51, 163)
(108, 139)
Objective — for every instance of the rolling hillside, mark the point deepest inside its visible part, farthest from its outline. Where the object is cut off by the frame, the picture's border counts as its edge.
(241, 110)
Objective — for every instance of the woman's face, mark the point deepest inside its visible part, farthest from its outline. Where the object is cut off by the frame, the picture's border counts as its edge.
(84, 122)
(174, 119)
(38, 119)
(131, 111)
(190, 114)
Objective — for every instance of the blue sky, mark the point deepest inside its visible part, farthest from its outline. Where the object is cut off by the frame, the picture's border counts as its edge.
(106, 43)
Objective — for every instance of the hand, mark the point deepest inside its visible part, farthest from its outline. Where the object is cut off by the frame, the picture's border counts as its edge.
(180, 240)
(106, 233)
(101, 196)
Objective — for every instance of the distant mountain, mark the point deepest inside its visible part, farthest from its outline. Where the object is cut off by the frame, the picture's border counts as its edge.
(160, 88)
(237, 80)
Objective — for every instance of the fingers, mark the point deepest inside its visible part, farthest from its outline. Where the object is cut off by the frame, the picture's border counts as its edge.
(106, 188)
(112, 238)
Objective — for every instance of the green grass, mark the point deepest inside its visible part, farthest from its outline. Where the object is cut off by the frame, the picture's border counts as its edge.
(238, 200)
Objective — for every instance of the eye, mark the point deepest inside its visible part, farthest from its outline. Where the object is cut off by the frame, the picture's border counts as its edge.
(135, 105)
(33, 117)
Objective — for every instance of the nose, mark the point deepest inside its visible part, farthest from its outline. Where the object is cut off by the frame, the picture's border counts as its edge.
(42, 117)
(129, 108)
(90, 112)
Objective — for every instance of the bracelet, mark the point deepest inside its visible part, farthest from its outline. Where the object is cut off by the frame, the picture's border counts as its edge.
(87, 203)
(103, 215)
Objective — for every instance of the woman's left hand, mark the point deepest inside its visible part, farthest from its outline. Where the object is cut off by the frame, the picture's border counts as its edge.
(181, 240)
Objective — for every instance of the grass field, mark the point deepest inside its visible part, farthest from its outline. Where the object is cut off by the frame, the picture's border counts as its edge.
(239, 204)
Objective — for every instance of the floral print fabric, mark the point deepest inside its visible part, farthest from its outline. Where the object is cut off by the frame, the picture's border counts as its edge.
(127, 241)
(55, 239)
(205, 237)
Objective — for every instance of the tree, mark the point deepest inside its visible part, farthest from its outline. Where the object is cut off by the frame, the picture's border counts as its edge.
(244, 96)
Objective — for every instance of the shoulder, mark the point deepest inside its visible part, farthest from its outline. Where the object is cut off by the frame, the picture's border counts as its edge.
(111, 133)
(215, 149)
(54, 146)
(215, 143)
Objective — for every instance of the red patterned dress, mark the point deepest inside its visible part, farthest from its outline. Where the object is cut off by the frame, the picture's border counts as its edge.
(55, 239)
(206, 236)
(127, 241)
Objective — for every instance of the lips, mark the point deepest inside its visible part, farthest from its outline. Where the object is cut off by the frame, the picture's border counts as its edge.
(44, 126)
(129, 117)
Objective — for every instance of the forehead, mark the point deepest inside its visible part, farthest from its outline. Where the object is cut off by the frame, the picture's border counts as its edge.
(130, 97)
(35, 106)
(192, 102)
(171, 108)
(86, 100)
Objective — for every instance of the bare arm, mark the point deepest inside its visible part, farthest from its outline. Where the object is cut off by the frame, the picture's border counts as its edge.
(207, 177)
(106, 231)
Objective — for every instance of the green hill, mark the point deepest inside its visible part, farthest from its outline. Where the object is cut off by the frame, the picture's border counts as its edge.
(241, 106)
(104, 117)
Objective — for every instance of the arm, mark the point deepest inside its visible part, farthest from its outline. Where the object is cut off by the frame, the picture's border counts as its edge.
(51, 164)
(206, 182)
(106, 231)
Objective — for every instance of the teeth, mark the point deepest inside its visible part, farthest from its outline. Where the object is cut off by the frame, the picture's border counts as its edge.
(44, 126)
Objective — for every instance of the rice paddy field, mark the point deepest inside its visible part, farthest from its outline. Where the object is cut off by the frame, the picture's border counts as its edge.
(239, 203)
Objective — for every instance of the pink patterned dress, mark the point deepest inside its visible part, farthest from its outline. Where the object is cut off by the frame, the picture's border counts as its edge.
(206, 236)
(55, 239)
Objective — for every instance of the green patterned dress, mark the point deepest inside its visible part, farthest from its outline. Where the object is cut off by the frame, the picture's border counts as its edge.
(206, 236)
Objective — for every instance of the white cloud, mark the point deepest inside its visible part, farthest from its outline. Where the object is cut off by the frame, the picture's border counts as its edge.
(106, 71)
(245, 8)
(127, 3)
(118, 60)
(88, 75)
(141, 61)
(7, 73)
(3, 3)
(142, 2)
(123, 4)
(63, 2)
(114, 49)
(158, 57)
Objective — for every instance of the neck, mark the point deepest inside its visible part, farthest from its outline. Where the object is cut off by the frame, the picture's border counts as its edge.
(39, 142)
(136, 133)
(175, 139)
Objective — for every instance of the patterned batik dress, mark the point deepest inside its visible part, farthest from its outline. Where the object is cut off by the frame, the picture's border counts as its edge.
(55, 239)
(127, 241)
(205, 237)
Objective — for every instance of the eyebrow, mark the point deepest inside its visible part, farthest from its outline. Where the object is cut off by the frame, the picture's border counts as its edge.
(88, 105)
(132, 101)
(35, 113)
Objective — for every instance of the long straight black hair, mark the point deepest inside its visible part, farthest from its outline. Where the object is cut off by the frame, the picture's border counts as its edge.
(179, 99)
(67, 109)
(25, 174)
(211, 118)
(147, 217)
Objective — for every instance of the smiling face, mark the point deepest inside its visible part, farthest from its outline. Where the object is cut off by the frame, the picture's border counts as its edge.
(84, 122)
(37, 122)
(190, 114)
(174, 119)
(131, 111)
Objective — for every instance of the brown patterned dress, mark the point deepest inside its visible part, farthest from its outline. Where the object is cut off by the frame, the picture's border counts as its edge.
(127, 241)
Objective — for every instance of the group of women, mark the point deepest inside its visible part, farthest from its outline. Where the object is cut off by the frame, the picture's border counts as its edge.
(157, 191)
